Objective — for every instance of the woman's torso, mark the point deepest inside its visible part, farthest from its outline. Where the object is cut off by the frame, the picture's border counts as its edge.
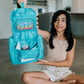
(59, 52)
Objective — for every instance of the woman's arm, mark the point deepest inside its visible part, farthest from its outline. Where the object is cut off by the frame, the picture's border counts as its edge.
(65, 63)
(45, 34)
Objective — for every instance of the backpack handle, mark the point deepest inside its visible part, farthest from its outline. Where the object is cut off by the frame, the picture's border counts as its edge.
(22, 5)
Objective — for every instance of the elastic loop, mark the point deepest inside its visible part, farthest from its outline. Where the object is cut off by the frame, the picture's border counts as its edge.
(22, 5)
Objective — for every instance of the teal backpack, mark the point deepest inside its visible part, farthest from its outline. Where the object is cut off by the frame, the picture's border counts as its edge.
(25, 45)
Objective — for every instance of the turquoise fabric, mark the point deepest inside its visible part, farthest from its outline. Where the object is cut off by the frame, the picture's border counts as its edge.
(24, 31)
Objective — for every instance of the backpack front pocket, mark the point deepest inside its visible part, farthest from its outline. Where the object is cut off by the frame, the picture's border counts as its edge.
(26, 55)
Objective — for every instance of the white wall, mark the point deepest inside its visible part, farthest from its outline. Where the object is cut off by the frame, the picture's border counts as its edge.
(78, 6)
(67, 3)
(60, 4)
(51, 5)
(6, 6)
(81, 6)
(63, 3)
(75, 6)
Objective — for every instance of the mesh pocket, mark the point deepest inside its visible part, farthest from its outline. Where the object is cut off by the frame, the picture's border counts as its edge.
(26, 55)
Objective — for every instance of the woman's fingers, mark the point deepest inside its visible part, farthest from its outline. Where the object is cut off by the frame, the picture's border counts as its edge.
(21, 1)
(70, 81)
(42, 62)
(37, 62)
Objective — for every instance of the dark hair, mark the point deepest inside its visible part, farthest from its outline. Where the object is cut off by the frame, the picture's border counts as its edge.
(67, 32)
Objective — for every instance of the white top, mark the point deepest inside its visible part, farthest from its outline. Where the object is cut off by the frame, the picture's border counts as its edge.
(59, 52)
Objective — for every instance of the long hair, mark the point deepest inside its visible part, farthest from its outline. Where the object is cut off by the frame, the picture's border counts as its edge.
(67, 32)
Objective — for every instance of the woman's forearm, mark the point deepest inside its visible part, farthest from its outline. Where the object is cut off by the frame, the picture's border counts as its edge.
(60, 64)
(45, 34)
(57, 64)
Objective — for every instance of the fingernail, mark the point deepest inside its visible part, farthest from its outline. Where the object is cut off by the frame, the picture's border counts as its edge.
(74, 80)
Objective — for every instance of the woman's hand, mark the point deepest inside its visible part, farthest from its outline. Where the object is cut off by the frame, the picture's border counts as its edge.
(21, 1)
(42, 62)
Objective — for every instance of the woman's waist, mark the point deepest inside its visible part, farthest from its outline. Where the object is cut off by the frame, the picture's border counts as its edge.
(55, 59)
(54, 68)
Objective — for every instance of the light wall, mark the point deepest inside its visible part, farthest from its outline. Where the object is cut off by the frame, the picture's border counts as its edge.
(81, 6)
(6, 6)
(78, 6)
(60, 4)
(75, 5)
(52, 5)
(63, 3)
(67, 3)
